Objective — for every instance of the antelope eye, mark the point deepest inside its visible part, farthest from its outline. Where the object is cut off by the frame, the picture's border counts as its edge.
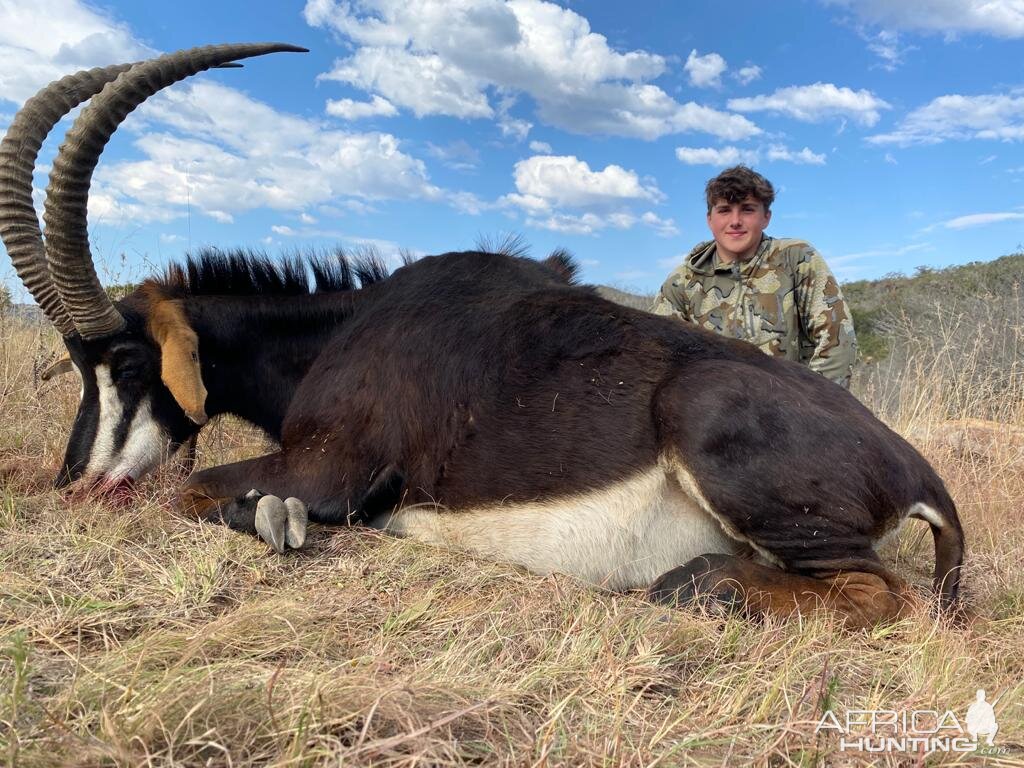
(128, 368)
(127, 372)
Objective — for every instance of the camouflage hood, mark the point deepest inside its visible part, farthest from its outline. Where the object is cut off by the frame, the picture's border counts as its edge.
(701, 260)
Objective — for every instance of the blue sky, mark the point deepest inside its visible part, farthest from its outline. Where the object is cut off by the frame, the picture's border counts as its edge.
(894, 132)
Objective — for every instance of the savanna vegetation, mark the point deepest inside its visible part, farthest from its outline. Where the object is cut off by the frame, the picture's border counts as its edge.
(131, 636)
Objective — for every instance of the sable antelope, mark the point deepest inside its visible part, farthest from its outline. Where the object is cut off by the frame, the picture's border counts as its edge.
(481, 401)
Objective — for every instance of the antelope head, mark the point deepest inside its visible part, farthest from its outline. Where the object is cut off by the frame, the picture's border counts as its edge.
(142, 390)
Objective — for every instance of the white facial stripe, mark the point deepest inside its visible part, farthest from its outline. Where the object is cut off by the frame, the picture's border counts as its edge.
(146, 441)
(620, 537)
(111, 410)
(145, 446)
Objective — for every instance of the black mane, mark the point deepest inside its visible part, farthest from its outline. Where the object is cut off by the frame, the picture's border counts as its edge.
(241, 272)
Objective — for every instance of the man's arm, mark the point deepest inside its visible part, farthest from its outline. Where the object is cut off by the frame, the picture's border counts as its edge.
(831, 344)
(670, 301)
(662, 306)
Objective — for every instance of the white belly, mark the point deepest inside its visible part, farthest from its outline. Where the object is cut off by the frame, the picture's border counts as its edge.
(621, 537)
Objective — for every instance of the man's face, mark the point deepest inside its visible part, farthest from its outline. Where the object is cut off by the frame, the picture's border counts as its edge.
(737, 228)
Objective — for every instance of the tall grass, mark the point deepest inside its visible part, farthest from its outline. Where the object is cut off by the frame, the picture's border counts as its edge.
(130, 636)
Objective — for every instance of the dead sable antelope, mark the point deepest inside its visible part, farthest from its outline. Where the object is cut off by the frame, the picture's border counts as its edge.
(480, 401)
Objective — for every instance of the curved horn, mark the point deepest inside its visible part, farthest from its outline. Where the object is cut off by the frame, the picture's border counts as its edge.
(67, 238)
(19, 225)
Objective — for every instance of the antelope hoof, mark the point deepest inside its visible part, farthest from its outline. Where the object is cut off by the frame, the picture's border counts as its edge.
(704, 582)
(272, 522)
(281, 524)
(298, 517)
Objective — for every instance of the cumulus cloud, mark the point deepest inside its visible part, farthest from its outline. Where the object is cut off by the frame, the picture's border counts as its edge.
(347, 109)
(205, 148)
(439, 58)
(664, 227)
(1000, 18)
(540, 147)
(747, 75)
(956, 117)
(563, 194)
(46, 39)
(568, 181)
(723, 156)
(716, 155)
(425, 84)
(705, 71)
(778, 153)
(235, 154)
(816, 102)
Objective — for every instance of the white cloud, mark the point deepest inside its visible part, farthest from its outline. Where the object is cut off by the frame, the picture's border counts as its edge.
(729, 155)
(568, 181)
(664, 227)
(814, 103)
(585, 224)
(886, 46)
(705, 71)
(563, 194)
(778, 153)
(890, 159)
(1000, 18)
(540, 147)
(887, 251)
(434, 57)
(956, 117)
(641, 111)
(511, 127)
(305, 218)
(982, 219)
(45, 39)
(283, 230)
(347, 109)
(721, 156)
(237, 154)
(747, 75)
(422, 83)
(469, 203)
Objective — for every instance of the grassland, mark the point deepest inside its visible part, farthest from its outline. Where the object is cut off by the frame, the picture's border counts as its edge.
(130, 636)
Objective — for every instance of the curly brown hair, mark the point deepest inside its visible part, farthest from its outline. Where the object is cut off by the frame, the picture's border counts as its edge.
(736, 184)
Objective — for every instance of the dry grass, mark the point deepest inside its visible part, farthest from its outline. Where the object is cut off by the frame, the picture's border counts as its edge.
(130, 636)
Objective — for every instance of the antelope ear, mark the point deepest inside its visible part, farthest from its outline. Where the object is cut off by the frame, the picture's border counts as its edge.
(62, 366)
(179, 357)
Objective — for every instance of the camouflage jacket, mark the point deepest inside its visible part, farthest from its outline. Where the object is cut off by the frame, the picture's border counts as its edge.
(784, 300)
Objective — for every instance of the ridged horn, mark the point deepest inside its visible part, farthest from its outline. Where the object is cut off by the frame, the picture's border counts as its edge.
(19, 225)
(67, 196)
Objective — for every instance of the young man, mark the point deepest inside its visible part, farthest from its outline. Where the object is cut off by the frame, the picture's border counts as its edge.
(775, 293)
